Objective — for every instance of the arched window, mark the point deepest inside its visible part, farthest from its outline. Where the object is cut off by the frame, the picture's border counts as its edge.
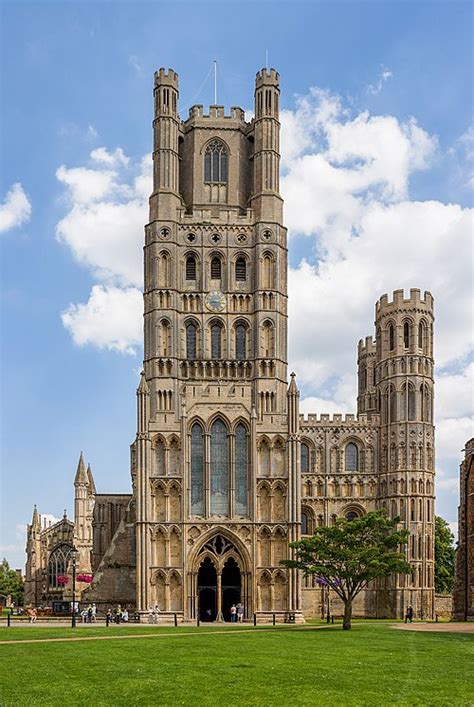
(215, 163)
(304, 524)
(351, 515)
(191, 267)
(421, 335)
(216, 268)
(57, 564)
(406, 334)
(197, 470)
(267, 271)
(241, 470)
(304, 459)
(164, 337)
(240, 342)
(267, 339)
(391, 337)
(216, 340)
(352, 457)
(159, 458)
(393, 404)
(219, 469)
(163, 270)
(191, 336)
(240, 269)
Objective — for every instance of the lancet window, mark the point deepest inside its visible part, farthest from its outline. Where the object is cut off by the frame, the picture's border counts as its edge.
(215, 163)
(352, 457)
(58, 562)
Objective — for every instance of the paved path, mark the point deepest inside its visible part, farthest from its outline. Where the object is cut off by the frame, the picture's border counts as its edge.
(116, 636)
(452, 627)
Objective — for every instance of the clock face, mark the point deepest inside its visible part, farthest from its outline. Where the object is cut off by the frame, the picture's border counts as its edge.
(215, 301)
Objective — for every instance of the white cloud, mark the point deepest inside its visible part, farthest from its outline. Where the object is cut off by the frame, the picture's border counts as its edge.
(87, 185)
(110, 319)
(451, 435)
(135, 64)
(16, 209)
(454, 393)
(111, 159)
(385, 75)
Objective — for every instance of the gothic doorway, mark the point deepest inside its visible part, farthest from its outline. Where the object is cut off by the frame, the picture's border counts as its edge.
(220, 581)
(207, 588)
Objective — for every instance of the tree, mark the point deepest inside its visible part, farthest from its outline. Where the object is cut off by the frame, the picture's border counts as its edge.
(11, 583)
(444, 557)
(352, 553)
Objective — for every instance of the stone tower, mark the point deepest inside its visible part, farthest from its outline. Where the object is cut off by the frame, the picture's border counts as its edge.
(402, 392)
(84, 498)
(214, 465)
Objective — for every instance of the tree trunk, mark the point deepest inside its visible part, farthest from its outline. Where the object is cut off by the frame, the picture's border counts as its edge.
(346, 623)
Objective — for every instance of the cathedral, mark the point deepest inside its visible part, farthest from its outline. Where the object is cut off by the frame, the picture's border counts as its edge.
(225, 471)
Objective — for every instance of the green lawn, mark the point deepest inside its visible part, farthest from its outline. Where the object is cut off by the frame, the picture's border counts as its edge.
(370, 665)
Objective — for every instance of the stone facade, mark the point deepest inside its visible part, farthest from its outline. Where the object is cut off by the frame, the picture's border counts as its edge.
(225, 471)
(463, 595)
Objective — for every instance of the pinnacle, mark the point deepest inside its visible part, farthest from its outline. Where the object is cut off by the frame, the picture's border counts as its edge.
(293, 388)
(90, 480)
(143, 385)
(81, 476)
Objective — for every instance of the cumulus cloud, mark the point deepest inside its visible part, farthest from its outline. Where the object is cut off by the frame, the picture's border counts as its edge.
(16, 208)
(111, 159)
(110, 319)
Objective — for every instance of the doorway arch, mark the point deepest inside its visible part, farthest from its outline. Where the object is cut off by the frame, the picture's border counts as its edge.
(220, 579)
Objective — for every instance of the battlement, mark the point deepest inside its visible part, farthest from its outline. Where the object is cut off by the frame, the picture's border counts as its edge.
(166, 78)
(366, 347)
(267, 78)
(216, 113)
(335, 419)
(399, 301)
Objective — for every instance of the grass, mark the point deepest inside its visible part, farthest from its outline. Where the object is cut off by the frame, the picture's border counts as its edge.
(370, 665)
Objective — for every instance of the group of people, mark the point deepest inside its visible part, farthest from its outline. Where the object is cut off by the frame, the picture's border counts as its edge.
(237, 612)
(153, 613)
(88, 615)
(119, 616)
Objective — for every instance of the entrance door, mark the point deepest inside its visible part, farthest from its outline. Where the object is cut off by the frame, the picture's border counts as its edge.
(231, 586)
(207, 591)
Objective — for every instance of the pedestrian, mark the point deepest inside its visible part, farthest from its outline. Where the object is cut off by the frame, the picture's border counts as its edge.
(125, 616)
(409, 615)
(108, 617)
(233, 613)
(156, 613)
(240, 612)
(94, 613)
(89, 614)
(150, 615)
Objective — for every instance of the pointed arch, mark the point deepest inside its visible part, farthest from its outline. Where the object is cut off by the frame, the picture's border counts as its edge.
(197, 469)
(219, 468)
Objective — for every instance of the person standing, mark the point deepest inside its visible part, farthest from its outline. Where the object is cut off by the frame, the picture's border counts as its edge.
(94, 613)
(233, 613)
(409, 614)
(240, 612)
(108, 617)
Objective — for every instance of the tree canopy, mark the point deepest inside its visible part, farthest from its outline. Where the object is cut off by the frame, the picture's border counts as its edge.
(10, 583)
(350, 554)
(444, 557)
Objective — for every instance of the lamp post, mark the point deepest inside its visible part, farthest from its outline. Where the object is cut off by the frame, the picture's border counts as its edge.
(73, 618)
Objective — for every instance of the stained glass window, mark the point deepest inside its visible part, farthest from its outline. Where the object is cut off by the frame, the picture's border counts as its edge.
(215, 163)
(197, 470)
(191, 341)
(406, 335)
(216, 338)
(219, 469)
(241, 474)
(352, 457)
(304, 459)
(240, 343)
(304, 524)
(58, 562)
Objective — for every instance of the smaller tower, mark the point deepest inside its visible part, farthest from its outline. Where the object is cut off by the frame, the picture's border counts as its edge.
(266, 201)
(33, 563)
(366, 361)
(83, 511)
(165, 197)
(404, 385)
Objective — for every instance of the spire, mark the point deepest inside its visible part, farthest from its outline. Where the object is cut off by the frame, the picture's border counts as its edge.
(143, 385)
(293, 388)
(90, 479)
(65, 514)
(81, 476)
(35, 519)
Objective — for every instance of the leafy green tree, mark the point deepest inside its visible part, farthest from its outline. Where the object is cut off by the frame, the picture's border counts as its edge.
(444, 557)
(11, 583)
(350, 554)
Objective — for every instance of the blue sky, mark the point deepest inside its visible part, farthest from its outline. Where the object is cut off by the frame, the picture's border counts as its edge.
(77, 76)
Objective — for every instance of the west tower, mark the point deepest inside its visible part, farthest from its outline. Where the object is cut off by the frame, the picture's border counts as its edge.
(215, 463)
